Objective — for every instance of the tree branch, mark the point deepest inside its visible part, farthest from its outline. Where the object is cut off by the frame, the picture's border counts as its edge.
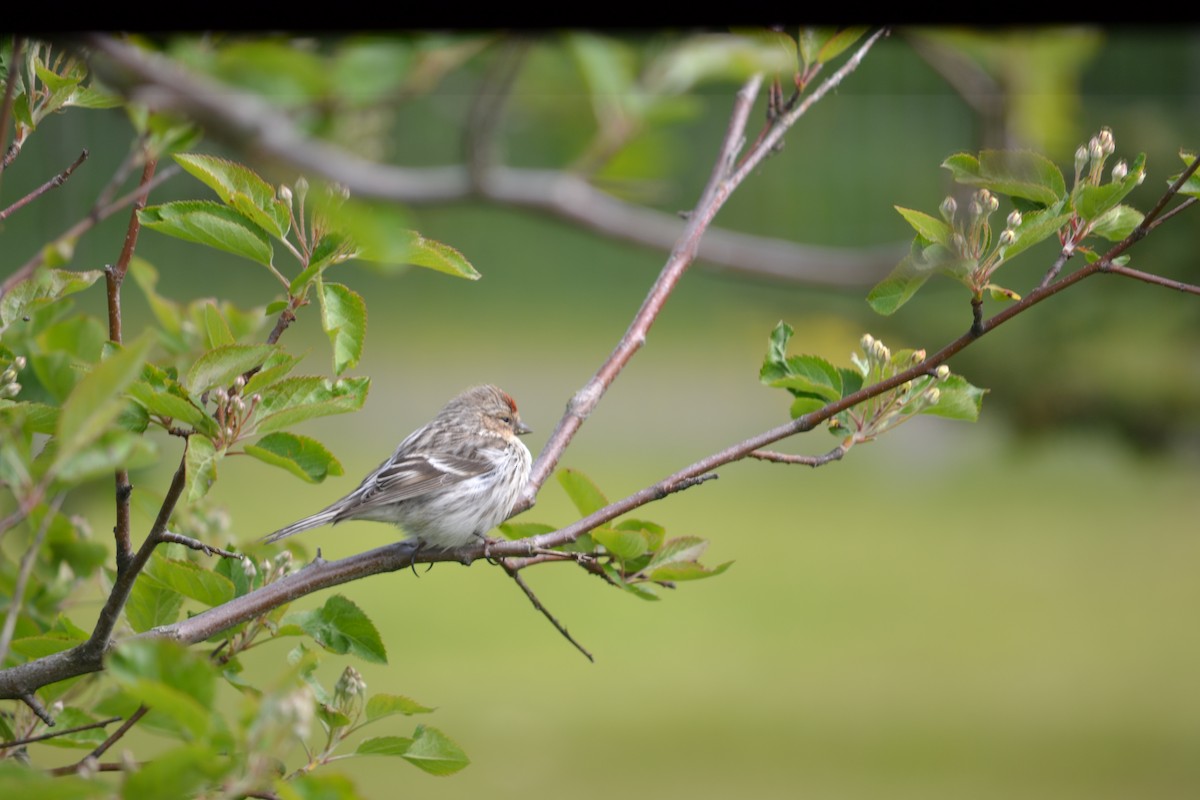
(53, 183)
(262, 131)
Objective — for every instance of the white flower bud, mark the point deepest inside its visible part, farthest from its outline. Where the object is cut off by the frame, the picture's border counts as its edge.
(867, 342)
(1007, 237)
(1014, 219)
(943, 372)
(1081, 159)
(975, 209)
(948, 207)
(918, 356)
(1095, 149)
(932, 396)
(19, 362)
(8, 375)
(239, 382)
(248, 568)
(285, 194)
(1107, 142)
(1119, 171)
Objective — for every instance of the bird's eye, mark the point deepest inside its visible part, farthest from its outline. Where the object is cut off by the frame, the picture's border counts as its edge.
(506, 419)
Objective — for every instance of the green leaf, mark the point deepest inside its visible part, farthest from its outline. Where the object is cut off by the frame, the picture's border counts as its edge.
(435, 752)
(1036, 226)
(161, 395)
(113, 449)
(216, 329)
(341, 627)
(1191, 187)
(181, 772)
(625, 545)
(344, 318)
(840, 41)
(210, 224)
(931, 228)
(523, 530)
(683, 548)
(241, 188)
(1117, 223)
(1018, 173)
(437, 256)
(1092, 202)
(384, 746)
(301, 398)
(275, 367)
(583, 493)
(810, 376)
(690, 571)
(305, 458)
(385, 705)
(332, 248)
(221, 365)
(151, 604)
(73, 718)
(96, 400)
(174, 681)
(201, 464)
(18, 780)
(45, 286)
(957, 399)
(898, 287)
(1000, 293)
(191, 580)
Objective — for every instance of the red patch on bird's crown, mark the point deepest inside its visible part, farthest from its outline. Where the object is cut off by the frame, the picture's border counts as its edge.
(511, 403)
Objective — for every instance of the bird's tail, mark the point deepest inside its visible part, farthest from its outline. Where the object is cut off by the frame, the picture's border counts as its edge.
(315, 521)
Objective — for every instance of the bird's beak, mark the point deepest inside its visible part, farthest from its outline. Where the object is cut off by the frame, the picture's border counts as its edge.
(523, 429)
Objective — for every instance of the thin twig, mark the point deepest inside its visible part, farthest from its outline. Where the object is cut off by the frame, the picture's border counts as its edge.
(1055, 268)
(788, 458)
(721, 183)
(96, 215)
(1137, 274)
(63, 732)
(483, 118)
(116, 735)
(196, 544)
(53, 183)
(515, 574)
(30, 699)
(107, 766)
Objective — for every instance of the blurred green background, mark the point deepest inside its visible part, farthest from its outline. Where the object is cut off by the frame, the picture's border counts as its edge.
(992, 610)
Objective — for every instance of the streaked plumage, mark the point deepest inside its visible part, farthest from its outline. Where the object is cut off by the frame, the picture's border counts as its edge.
(449, 482)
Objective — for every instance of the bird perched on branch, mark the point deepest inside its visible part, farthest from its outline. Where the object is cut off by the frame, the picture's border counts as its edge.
(449, 482)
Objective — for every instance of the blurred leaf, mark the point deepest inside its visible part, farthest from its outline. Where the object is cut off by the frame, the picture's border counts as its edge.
(174, 681)
(71, 717)
(210, 224)
(1036, 226)
(191, 580)
(385, 705)
(435, 752)
(384, 746)
(275, 367)
(113, 449)
(96, 400)
(1191, 187)
(221, 365)
(1018, 173)
(957, 399)
(305, 458)
(435, 255)
(523, 530)
(341, 627)
(686, 571)
(583, 493)
(625, 545)
(344, 318)
(151, 604)
(17, 780)
(332, 248)
(931, 228)
(43, 287)
(161, 395)
(684, 548)
(201, 463)
(216, 330)
(179, 772)
(1117, 223)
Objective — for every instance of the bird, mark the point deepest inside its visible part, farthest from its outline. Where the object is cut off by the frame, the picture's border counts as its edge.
(449, 482)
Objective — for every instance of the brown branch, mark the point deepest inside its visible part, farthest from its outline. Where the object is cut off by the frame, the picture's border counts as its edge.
(1148, 277)
(196, 544)
(53, 183)
(29, 699)
(114, 277)
(85, 766)
(42, 737)
(811, 461)
(116, 735)
(721, 183)
(259, 129)
(10, 85)
(515, 574)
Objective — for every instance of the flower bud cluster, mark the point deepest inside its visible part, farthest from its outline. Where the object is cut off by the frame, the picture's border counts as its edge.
(233, 411)
(885, 411)
(9, 387)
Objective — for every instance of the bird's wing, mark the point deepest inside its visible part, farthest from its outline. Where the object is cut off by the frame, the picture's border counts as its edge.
(416, 475)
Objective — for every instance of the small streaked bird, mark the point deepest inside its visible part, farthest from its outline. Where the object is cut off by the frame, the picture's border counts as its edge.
(449, 482)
